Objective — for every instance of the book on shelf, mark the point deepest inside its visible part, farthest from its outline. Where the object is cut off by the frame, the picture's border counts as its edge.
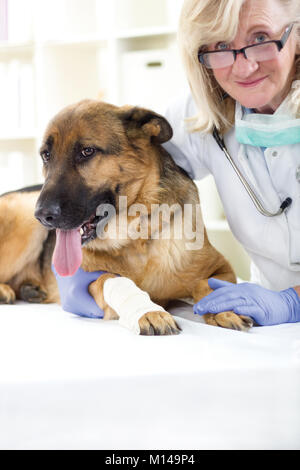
(17, 98)
(26, 98)
(3, 20)
(16, 20)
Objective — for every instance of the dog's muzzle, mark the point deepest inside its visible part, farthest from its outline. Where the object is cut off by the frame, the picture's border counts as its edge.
(49, 215)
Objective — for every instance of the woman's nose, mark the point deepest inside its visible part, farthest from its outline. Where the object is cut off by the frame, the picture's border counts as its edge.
(242, 67)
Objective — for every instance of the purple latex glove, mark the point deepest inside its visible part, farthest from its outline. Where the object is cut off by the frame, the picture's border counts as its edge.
(74, 294)
(265, 306)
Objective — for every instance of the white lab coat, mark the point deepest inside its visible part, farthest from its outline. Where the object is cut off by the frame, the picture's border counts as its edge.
(273, 243)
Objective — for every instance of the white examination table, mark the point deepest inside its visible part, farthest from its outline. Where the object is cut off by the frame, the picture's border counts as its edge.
(73, 383)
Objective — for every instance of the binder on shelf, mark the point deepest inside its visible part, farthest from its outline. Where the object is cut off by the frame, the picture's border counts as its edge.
(12, 89)
(3, 96)
(3, 20)
(27, 99)
(17, 98)
(20, 20)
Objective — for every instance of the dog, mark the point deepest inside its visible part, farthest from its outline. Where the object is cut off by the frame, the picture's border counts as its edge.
(95, 153)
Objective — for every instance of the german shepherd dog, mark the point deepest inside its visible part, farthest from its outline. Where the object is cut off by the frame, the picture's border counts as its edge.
(93, 153)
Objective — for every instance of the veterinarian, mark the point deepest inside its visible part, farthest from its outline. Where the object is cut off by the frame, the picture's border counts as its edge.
(241, 123)
(242, 60)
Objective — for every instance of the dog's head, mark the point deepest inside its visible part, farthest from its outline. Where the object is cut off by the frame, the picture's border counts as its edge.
(93, 152)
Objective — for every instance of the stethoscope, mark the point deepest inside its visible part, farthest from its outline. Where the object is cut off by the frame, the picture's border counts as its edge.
(286, 203)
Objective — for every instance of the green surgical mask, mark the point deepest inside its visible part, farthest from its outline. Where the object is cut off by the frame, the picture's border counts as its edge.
(267, 130)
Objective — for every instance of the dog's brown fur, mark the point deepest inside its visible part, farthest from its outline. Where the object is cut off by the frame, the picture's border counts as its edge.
(25, 252)
(130, 161)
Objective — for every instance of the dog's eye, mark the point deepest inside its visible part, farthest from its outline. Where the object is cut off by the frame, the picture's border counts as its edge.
(45, 156)
(88, 152)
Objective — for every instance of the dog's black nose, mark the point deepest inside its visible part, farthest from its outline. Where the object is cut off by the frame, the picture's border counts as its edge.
(48, 215)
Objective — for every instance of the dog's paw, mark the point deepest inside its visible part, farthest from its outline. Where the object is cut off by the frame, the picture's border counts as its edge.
(7, 294)
(229, 320)
(158, 323)
(32, 294)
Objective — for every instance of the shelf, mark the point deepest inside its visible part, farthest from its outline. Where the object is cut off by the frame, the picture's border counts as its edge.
(8, 47)
(121, 34)
(86, 41)
(92, 40)
(18, 136)
(145, 32)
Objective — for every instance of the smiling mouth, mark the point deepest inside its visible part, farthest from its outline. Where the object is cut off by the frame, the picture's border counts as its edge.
(252, 82)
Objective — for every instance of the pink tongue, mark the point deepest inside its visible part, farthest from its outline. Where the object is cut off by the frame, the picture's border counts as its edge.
(67, 257)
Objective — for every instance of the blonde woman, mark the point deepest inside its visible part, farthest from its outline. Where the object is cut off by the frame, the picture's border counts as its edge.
(241, 123)
(243, 114)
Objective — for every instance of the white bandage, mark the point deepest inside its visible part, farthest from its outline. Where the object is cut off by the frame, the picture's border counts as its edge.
(129, 301)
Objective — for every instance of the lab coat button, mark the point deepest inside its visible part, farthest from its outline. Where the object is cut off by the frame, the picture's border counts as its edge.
(298, 174)
(275, 153)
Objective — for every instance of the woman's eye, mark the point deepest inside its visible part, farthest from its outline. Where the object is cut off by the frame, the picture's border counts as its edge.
(45, 156)
(261, 38)
(88, 152)
(222, 46)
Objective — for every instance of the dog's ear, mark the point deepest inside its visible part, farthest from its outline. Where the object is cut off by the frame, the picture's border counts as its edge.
(143, 122)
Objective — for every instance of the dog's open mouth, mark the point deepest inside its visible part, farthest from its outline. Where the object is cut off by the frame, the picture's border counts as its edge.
(67, 256)
(88, 230)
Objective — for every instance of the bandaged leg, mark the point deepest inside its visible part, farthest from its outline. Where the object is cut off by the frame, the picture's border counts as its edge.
(128, 301)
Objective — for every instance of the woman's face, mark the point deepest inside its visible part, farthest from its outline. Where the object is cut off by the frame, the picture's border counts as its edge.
(259, 85)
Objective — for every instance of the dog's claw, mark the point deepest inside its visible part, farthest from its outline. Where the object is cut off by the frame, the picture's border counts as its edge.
(229, 320)
(32, 294)
(158, 324)
(7, 294)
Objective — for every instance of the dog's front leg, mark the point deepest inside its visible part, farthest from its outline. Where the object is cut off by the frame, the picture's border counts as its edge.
(224, 319)
(96, 291)
(120, 298)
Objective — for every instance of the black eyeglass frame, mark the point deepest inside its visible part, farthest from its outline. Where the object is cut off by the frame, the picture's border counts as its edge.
(280, 43)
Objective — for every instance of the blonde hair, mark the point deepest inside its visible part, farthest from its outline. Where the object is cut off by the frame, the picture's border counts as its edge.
(204, 22)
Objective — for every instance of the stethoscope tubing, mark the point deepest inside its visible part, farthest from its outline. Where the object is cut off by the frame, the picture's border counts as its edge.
(259, 206)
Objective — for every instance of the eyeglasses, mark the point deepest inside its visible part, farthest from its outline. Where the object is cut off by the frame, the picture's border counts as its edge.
(256, 52)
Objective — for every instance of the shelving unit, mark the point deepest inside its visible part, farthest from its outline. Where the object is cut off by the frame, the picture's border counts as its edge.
(79, 53)
(121, 51)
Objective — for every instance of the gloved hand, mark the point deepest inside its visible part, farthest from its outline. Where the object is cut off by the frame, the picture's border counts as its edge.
(74, 294)
(265, 306)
